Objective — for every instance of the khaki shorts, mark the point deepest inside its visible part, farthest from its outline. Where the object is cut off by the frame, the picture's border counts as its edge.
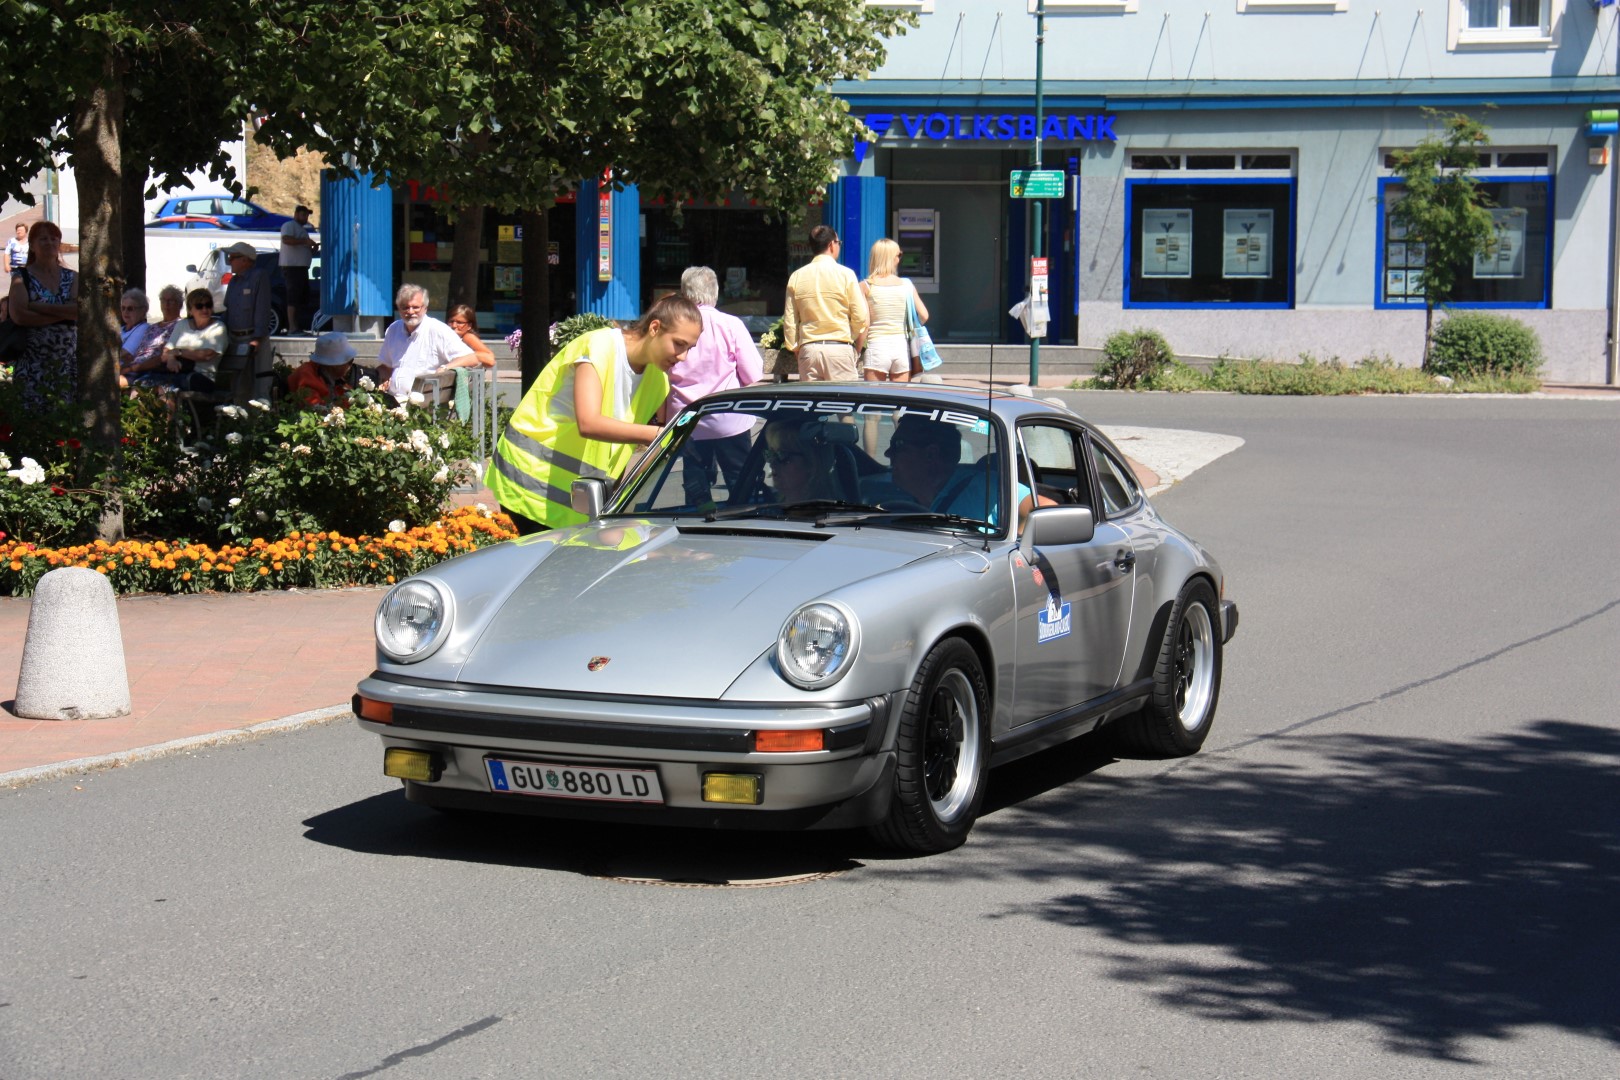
(826, 362)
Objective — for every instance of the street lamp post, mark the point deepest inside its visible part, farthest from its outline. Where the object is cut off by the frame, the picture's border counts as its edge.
(1037, 247)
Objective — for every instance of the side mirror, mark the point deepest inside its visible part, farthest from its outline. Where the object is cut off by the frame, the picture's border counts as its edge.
(1054, 526)
(191, 267)
(588, 497)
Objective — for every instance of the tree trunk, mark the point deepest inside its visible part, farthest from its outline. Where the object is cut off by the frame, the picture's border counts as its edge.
(464, 258)
(1428, 331)
(133, 231)
(98, 121)
(535, 318)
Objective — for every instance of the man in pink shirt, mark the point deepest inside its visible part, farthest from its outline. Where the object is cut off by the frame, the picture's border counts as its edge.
(724, 357)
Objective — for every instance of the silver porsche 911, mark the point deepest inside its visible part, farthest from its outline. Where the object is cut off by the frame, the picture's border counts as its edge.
(809, 606)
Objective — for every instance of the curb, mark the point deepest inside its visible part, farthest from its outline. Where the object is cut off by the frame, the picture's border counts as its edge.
(79, 766)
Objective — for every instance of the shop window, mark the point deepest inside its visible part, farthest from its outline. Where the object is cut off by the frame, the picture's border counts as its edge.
(1517, 272)
(1498, 24)
(1164, 160)
(746, 247)
(1084, 7)
(1266, 161)
(1155, 162)
(1259, 6)
(1216, 243)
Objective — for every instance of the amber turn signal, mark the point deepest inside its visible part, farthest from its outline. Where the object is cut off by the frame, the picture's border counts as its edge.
(789, 742)
(378, 712)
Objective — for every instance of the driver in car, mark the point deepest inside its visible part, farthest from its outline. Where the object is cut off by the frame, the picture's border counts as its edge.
(801, 469)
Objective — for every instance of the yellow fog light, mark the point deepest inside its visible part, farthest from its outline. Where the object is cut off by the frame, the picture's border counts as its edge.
(405, 764)
(746, 788)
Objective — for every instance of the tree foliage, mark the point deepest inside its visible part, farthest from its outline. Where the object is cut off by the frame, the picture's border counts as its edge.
(505, 102)
(1444, 208)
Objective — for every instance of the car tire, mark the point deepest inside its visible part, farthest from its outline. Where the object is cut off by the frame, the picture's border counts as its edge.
(942, 753)
(1186, 680)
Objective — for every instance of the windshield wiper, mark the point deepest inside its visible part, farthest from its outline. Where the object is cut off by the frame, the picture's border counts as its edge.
(927, 517)
(816, 508)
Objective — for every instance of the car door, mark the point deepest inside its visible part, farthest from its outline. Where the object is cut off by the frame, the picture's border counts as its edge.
(1073, 601)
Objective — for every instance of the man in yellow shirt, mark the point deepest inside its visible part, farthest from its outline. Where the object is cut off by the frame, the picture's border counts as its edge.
(825, 316)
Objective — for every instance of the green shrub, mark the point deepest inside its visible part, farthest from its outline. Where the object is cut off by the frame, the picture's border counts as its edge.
(1177, 378)
(570, 328)
(1131, 357)
(1484, 343)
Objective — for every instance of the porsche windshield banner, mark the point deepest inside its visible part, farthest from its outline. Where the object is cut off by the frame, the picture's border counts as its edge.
(832, 407)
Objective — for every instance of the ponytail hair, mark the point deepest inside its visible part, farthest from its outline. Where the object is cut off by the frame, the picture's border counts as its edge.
(668, 310)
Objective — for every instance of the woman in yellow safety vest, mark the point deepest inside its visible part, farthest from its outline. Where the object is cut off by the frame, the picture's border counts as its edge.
(588, 412)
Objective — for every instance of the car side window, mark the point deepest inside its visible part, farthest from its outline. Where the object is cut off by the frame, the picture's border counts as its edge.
(234, 206)
(1056, 465)
(1120, 491)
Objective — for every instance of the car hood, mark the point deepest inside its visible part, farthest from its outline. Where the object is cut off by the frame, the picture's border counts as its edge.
(668, 611)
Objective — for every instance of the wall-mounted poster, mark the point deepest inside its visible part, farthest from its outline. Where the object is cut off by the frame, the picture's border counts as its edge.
(1505, 257)
(1395, 254)
(1166, 243)
(1394, 284)
(1417, 253)
(1246, 244)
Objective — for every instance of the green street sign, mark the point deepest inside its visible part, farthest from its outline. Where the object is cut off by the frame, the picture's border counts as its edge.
(1037, 183)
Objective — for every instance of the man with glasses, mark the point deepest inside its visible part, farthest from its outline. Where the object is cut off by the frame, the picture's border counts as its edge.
(416, 344)
(824, 317)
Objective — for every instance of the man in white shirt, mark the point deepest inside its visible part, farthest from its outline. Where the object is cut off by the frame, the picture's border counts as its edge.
(297, 253)
(416, 343)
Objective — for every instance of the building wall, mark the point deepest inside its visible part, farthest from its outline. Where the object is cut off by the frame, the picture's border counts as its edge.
(1336, 85)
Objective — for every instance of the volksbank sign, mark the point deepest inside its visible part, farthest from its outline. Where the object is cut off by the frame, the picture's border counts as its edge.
(985, 127)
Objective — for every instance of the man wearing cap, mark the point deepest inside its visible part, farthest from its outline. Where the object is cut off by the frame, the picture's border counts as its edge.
(297, 253)
(328, 375)
(247, 319)
(825, 314)
(415, 344)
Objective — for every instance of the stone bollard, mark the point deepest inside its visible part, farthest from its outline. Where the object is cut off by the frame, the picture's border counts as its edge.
(73, 656)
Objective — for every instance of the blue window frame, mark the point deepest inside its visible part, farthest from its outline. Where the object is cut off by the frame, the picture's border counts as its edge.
(1517, 275)
(1210, 242)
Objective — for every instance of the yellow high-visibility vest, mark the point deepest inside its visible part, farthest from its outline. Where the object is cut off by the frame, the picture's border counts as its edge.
(541, 453)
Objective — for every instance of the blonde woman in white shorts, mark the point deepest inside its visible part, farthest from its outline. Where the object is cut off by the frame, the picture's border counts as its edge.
(886, 356)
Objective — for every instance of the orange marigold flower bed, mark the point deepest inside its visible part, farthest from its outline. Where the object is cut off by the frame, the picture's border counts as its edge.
(299, 560)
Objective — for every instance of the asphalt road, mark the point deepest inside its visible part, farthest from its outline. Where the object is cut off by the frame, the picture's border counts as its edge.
(1399, 853)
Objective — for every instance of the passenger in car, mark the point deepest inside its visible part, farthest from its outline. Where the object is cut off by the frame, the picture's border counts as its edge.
(925, 456)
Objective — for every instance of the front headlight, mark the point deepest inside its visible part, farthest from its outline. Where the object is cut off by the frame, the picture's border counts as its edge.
(413, 620)
(817, 645)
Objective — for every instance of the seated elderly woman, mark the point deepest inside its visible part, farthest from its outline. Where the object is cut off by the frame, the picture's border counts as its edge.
(147, 339)
(191, 351)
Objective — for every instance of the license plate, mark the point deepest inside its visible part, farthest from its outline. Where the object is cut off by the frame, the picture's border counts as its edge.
(552, 780)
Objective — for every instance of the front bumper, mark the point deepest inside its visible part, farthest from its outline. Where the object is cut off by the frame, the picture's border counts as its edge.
(845, 785)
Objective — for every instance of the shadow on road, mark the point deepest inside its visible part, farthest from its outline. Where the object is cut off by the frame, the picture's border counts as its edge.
(389, 825)
(1440, 892)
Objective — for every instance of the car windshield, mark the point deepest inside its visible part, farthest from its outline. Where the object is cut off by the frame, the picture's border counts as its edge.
(842, 459)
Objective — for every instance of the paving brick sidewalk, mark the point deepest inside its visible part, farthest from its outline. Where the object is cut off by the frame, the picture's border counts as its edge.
(199, 665)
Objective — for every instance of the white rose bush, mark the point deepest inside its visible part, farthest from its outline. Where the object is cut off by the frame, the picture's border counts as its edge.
(271, 496)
